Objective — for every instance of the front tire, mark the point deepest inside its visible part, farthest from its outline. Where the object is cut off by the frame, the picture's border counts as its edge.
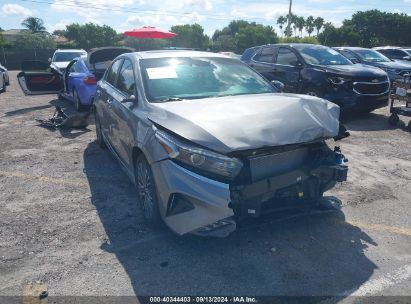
(147, 192)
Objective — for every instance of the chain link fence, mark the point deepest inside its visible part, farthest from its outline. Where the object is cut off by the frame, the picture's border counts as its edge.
(12, 58)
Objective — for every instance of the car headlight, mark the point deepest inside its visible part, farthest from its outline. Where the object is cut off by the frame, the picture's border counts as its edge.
(200, 159)
(337, 80)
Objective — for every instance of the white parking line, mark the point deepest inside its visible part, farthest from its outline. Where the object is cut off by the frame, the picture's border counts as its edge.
(373, 287)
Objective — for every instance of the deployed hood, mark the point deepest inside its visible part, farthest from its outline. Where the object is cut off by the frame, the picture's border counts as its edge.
(232, 123)
(355, 70)
(106, 53)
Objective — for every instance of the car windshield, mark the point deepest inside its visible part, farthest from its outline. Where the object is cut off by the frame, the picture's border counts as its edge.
(321, 55)
(371, 55)
(172, 79)
(66, 56)
(408, 51)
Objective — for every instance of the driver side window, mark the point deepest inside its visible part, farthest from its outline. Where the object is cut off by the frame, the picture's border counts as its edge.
(126, 82)
(112, 74)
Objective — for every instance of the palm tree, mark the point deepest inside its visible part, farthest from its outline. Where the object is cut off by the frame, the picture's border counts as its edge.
(300, 23)
(294, 23)
(318, 23)
(34, 24)
(309, 25)
(281, 21)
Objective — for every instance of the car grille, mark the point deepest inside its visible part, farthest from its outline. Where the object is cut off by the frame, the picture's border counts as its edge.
(274, 164)
(376, 86)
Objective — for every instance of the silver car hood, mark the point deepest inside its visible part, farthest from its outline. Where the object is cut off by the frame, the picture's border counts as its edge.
(233, 123)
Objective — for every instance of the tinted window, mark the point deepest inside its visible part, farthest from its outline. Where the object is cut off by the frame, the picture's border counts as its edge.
(371, 55)
(78, 67)
(399, 54)
(126, 82)
(321, 55)
(266, 55)
(349, 55)
(67, 56)
(113, 72)
(170, 79)
(287, 57)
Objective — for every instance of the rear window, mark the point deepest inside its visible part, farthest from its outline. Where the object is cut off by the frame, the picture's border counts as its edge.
(66, 56)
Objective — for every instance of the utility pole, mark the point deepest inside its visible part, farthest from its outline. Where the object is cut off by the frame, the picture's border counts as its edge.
(289, 17)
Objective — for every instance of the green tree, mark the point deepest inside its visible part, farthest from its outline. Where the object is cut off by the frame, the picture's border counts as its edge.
(281, 21)
(39, 40)
(34, 24)
(91, 35)
(61, 33)
(318, 23)
(309, 25)
(190, 36)
(145, 44)
(245, 34)
(226, 43)
(300, 23)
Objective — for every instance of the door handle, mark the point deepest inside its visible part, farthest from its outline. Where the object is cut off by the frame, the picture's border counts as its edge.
(109, 100)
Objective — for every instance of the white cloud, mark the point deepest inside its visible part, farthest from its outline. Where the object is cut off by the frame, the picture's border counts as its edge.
(10, 9)
(197, 4)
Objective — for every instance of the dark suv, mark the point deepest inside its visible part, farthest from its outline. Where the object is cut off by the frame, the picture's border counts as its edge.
(321, 71)
(394, 69)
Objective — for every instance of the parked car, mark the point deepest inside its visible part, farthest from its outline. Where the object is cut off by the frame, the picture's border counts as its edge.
(6, 77)
(365, 56)
(2, 82)
(61, 58)
(82, 73)
(208, 141)
(395, 53)
(321, 71)
(77, 83)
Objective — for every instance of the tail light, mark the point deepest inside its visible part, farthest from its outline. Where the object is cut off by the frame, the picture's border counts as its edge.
(89, 80)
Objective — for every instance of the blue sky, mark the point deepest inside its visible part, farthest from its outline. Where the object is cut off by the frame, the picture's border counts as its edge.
(211, 14)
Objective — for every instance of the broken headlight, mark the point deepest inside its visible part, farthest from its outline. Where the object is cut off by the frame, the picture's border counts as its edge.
(200, 159)
(335, 80)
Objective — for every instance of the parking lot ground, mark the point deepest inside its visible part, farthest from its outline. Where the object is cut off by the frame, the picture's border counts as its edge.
(69, 219)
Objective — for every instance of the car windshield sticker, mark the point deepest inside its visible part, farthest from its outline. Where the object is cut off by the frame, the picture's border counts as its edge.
(332, 52)
(162, 73)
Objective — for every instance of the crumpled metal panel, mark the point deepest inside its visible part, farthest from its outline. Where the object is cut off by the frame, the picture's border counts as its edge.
(233, 123)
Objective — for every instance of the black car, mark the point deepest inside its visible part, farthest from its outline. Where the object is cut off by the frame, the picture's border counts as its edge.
(394, 69)
(321, 71)
(395, 53)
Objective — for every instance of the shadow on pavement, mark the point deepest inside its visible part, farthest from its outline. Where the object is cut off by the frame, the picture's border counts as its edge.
(315, 254)
(367, 122)
(26, 110)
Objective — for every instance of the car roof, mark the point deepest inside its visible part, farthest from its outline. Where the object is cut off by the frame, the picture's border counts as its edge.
(175, 53)
(388, 48)
(353, 48)
(69, 50)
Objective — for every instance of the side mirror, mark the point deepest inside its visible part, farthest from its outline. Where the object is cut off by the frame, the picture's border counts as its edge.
(132, 99)
(49, 59)
(278, 85)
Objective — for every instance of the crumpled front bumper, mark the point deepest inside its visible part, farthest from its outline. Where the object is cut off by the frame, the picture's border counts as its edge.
(191, 203)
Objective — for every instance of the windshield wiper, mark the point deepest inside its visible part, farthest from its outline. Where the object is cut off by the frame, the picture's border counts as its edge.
(170, 99)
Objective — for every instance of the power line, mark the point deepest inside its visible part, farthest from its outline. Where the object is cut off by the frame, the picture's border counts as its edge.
(138, 11)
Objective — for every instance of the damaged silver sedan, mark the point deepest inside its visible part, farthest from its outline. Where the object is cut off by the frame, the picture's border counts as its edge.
(208, 141)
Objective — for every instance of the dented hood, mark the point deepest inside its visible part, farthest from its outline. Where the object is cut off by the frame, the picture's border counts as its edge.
(233, 123)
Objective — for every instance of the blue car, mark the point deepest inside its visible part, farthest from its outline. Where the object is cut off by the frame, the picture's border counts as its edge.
(77, 83)
(82, 73)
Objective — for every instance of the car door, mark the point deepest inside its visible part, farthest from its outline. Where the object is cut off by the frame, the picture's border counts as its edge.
(120, 112)
(105, 95)
(263, 62)
(287, 69)
(37, 77)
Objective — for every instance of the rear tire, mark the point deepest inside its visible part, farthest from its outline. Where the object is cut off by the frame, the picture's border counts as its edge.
(77, 103)
(147, 192)
(99, 135)
(4, 86)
